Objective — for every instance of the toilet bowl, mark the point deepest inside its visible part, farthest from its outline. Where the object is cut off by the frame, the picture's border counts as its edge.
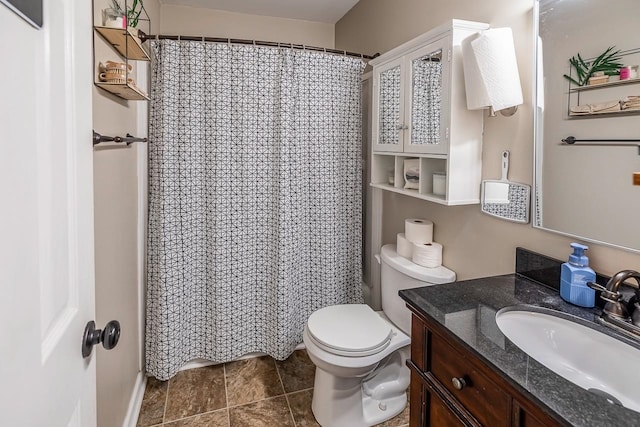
(360, 355)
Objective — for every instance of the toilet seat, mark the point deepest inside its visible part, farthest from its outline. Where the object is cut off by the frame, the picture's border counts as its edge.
(351, 330)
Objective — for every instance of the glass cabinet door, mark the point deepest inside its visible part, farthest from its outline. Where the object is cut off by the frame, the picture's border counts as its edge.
(427, 132)
(390, 107)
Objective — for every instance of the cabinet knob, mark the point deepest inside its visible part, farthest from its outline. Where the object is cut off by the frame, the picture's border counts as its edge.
(458, 383)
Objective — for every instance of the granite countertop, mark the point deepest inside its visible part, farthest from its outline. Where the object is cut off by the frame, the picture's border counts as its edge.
(468, 309)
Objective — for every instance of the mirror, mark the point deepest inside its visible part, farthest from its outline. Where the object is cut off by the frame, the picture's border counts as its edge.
(586, 189)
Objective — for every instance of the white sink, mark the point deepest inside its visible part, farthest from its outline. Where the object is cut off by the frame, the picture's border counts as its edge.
(584, 356)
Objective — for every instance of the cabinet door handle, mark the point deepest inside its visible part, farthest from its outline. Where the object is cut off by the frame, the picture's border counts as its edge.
(458, 383)
(400, 127)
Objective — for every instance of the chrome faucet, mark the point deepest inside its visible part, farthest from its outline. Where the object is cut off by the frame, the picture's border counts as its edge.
(615, 313)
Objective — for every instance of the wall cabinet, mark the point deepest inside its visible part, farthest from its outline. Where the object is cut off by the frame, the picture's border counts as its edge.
(419, 111)
(450, 386)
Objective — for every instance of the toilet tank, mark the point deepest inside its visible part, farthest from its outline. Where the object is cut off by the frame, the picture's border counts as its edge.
(398, 272)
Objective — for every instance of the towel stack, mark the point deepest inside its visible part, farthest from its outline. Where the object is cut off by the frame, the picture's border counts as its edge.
(599, 108)
(631, 103)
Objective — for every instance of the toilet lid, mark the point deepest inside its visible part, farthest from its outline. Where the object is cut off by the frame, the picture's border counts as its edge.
(349, 329)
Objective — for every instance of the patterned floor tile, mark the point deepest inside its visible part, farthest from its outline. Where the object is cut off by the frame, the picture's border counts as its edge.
(300, 403)
(218, 418)
(265, 413)
(155, 397)
(195, 391)
(195, 398)
(297, 371)
(251, 380)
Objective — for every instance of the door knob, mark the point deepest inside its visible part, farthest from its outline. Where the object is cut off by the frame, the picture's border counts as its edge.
(108, 336)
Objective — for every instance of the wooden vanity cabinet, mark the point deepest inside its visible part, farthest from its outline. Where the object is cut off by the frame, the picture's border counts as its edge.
(451, 386)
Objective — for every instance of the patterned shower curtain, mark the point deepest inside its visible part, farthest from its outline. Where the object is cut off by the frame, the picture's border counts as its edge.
(254, 198)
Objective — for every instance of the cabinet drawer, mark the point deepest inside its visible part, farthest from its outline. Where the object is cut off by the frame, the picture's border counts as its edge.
(485, 400)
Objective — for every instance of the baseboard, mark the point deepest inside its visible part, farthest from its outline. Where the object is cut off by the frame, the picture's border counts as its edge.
(135, 403)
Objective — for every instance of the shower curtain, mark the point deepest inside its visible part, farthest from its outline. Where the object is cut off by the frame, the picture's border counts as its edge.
(254, 198)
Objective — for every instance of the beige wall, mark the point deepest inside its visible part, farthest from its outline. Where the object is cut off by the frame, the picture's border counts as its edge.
(193, 21)
(116, 240)
(475, 244)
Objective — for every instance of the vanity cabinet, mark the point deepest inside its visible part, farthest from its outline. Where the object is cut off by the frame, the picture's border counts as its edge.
(451, 386)
(420, 112)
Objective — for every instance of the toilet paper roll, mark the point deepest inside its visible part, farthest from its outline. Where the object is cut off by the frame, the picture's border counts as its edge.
(404, 247)
(417, 230)
(427, 255)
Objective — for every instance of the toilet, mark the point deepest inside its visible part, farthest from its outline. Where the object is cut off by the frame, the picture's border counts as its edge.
(360, 354)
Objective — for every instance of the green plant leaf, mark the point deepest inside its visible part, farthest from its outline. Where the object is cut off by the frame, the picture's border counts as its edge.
(572, 80)
(607, 62)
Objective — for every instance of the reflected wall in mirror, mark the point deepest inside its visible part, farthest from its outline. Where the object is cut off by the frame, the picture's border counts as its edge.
(586, 191)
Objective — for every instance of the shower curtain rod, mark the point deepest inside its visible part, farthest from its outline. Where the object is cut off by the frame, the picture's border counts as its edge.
(144, 37)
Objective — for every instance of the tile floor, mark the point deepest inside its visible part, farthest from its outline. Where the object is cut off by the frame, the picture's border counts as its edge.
(259, 392)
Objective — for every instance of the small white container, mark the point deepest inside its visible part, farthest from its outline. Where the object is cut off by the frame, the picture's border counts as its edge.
(439, 183)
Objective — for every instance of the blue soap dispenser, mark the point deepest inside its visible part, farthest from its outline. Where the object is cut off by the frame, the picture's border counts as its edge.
(574, 276)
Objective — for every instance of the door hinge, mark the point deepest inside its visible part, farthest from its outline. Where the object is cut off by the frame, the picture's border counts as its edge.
(446, 133)
(449, 55)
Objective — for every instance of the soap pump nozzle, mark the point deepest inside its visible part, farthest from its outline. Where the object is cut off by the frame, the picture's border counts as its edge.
(578, 257)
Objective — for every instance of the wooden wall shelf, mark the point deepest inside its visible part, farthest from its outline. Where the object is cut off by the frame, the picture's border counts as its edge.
(127, 44)
(605, 85)
(125, 91)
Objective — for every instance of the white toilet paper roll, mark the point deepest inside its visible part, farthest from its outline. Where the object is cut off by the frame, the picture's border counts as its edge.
(418, 230)
(427, 255)
(404, 247)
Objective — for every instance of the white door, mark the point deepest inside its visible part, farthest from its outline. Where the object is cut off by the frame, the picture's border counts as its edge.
(46, 217)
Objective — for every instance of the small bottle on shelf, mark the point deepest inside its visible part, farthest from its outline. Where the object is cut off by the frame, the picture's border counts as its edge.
(625, 73)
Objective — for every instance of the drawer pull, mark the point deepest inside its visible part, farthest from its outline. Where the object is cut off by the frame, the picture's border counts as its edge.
(458, 383)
